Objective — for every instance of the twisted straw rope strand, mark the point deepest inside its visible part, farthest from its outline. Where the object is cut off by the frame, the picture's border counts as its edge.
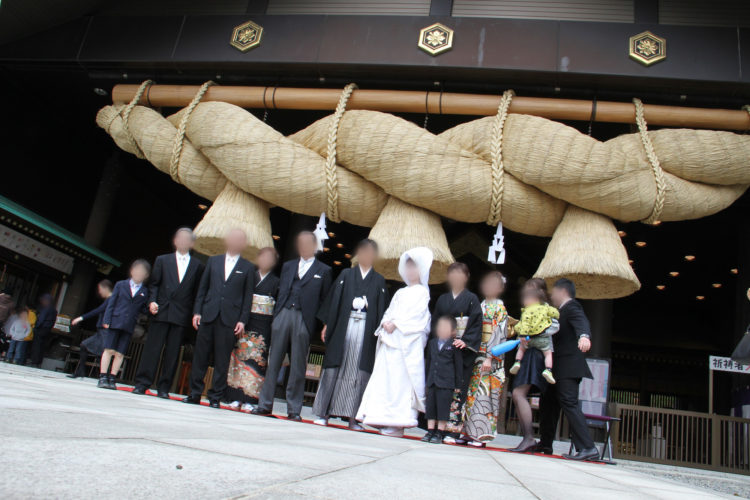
(126, 117)
(332, 183)
(179, 138)
(661, 185)
(496, 155)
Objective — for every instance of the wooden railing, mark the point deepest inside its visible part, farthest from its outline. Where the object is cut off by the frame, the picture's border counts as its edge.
(684, 438)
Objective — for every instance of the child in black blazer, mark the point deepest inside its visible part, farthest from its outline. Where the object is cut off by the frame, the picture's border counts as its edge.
(443, 375)
(127, 302)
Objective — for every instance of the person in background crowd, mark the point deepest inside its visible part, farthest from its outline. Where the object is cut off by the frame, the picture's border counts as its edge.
(221, 311)
(570, 366)
(351, 315)
(46, 316)
(395, 391)
(443, 364)
(127, 302)
(464, 306)
(18, 329)
(247, 367)
(482, 408)
(6, 308)
(303, 286)
(27, 342)
(94, 345)
(172, 290)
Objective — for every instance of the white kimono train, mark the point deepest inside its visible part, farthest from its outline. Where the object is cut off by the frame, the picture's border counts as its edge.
(395, 392)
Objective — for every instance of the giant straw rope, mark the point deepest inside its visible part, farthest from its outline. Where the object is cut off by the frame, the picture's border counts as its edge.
(534, 175)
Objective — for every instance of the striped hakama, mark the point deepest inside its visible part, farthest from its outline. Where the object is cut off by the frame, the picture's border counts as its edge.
(341, 388)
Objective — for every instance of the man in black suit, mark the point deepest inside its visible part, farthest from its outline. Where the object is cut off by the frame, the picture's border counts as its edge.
(221, 311)
(172, 289)
(570, 343)
(303, 287)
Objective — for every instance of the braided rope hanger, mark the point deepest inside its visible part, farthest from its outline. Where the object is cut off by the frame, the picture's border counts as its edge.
(332, 183)
(179, 138)
(661, 185)
(126, 117)
(496, 156)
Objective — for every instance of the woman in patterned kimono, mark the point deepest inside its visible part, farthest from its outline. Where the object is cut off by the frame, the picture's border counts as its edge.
(247, 366)
(482, 408)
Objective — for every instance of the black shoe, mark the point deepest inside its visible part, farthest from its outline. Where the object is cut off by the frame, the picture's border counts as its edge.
(111, 382)
(103, 381)
(437, 438)
(191, 400)
(139, 389)
(162, 394)
(214, 404)
(260, 412)
(428, 437)
(587, 454)
(524, 449)
(294, 417)
(540, 448)
(74, 375)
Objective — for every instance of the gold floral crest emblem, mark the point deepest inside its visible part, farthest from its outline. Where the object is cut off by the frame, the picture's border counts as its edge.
(435, 39)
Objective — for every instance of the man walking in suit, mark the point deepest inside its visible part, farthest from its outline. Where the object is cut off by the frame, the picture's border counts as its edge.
(303, 287)
(221, 311)
(570, 343)
(172, 289)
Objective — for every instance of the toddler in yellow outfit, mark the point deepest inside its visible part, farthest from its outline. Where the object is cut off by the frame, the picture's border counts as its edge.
(537, 324)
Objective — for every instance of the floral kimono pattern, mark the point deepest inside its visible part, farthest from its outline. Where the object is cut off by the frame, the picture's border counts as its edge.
(482, 408)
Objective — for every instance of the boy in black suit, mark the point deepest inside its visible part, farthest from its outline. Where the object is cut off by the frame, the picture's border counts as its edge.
(222, 309)
(303, 287)
(172, 290)
(127, 302)
(443, 375)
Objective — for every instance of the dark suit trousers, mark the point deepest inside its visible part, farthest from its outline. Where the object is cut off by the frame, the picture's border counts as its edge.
(563, 395)
(38, 345)
(288, 329)
(160, 335)
(218, 338)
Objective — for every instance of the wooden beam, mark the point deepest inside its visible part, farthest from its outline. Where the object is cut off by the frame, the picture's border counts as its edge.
(411, 101)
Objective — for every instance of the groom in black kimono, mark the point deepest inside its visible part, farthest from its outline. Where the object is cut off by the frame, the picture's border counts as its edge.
(351, 314)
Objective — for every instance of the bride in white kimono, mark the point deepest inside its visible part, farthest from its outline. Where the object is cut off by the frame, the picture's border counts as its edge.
(396, 390)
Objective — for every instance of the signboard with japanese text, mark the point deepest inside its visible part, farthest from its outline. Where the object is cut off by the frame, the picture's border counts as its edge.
(721, 364)
(23, 245)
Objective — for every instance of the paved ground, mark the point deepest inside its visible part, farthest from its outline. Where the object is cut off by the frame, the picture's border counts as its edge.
(64, 438)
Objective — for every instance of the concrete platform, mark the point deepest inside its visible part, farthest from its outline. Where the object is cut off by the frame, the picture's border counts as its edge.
(65, 438)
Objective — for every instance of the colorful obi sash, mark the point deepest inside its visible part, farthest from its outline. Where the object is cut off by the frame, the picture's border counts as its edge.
(262, 304)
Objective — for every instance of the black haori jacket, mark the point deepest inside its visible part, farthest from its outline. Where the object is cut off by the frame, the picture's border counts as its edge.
(335, 315)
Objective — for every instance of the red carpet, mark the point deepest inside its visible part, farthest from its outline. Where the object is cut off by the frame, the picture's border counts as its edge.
(125, 388)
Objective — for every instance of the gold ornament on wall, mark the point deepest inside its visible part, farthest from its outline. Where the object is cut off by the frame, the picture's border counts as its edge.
(647, 48)
(435, 39)
(246, 36)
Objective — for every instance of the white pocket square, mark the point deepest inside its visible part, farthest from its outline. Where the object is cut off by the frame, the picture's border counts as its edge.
(238, 272)
(317, 276)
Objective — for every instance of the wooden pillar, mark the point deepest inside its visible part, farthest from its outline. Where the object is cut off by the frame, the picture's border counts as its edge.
(441, 7)
(599, 313)
(646, 11)
(81, 285)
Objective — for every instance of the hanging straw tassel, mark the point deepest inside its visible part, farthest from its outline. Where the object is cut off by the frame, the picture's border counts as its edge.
(587, 250)
(234, 209)
(402, 226)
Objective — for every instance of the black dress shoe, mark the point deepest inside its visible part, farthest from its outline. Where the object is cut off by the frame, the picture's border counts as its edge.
(294, 417)
(103, 382)
(191, 400)
(540, 448)
(111, 382)
(524, 449)
(587, 454)
(260, 412)
(74, 375)
(139, 389)
(162, 394)
(426, 438)
(214, 404)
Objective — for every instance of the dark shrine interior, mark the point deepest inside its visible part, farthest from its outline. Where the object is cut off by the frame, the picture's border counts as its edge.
(661, 335)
